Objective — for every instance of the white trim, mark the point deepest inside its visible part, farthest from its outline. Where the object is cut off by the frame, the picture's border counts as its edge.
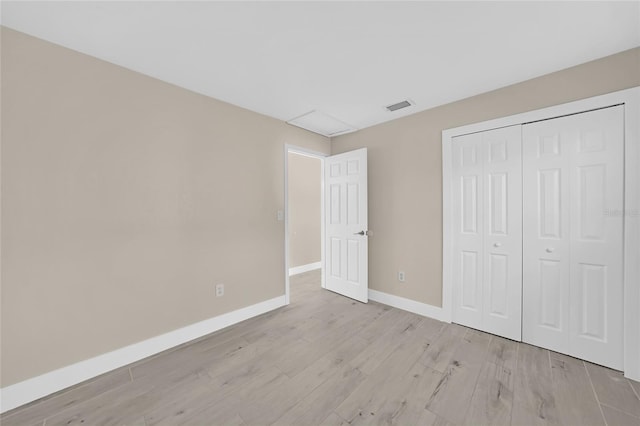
(632, 239)
(37, 387)
(631, 100)
(447, 230)
(305, 268)
(321, 156)
(409, 305)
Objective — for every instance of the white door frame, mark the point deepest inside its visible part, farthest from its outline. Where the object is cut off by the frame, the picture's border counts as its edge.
(314, 154)
(631, 212)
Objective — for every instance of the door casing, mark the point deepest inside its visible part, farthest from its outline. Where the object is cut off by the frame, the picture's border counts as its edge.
(321, 156)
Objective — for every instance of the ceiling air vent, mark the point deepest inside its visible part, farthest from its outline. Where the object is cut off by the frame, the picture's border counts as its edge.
(399, 105)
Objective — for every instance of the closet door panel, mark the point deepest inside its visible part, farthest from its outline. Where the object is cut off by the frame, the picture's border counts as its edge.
(502, 247)
(572, 239)
(596, 237)
(468, 202)
(487, 273)
(546, 263)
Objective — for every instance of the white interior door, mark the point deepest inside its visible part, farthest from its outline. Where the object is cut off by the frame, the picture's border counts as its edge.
(502, 247)
(468, 229)
(573, 204)
(346, 224)
(487, 263)
(545, 268)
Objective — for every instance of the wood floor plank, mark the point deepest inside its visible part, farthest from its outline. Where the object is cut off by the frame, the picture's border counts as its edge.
(575, 401)
(453, 394)
(223, 412)
(36, 423)
(380, 348)
(324, 399)
(253, 359)
(407, 407)
(438, 355)
(189, 358)
(354, 318)
(103, 409)
(300, 320)
(301, 356)
(618, 418)
(636, 386)
(334, 420)
(387, 316)
(534, 396)
(227, 403)
(269, 405)
(503, 352)
(492, 400)
(371, 394)
(427, 418)
(338, 385)
(613, 389)
(431, 328)
(127, 404)
(36, 412)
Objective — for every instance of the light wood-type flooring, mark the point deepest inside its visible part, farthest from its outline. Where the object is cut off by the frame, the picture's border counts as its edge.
(327, 360)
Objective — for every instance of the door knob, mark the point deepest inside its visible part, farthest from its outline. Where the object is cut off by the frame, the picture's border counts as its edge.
(359, 233)
(549, 250)
(367, 233)
(497, 244)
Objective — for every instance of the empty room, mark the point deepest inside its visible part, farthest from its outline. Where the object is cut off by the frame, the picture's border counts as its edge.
(320, 213)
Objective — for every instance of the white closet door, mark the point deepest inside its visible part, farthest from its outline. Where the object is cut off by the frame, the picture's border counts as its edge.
(502, 249)
(545, 183)
(468, 222)
(487, 272)
(573, 203)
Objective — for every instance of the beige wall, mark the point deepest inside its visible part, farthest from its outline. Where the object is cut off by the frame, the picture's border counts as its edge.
(304, 210)
(124, 201)
(405, 168)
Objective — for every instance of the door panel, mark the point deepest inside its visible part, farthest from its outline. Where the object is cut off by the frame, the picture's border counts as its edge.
(549, 206)
(346, 216)
(470, 204)
(487, 236)
(545, 162)
(596, 239)
(498, 286)
(502, 246)
(498, 206)
(572, 288)
(468, 238)
(550, 295)
(470, 281)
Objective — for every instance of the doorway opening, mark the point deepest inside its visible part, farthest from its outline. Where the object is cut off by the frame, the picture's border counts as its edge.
(304, 215)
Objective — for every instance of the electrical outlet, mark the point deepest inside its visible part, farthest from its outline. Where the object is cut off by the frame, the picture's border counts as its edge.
(219, 290)
(401, 276)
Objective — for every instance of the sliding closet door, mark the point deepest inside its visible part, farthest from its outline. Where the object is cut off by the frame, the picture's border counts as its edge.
(573, 203)
(487, 276)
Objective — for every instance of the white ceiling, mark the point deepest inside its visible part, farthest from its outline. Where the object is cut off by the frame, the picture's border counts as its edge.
(345, 59)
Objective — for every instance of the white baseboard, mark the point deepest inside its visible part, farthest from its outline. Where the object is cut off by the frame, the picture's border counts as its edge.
(419, 308)
(37, 387)
(304, 268)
